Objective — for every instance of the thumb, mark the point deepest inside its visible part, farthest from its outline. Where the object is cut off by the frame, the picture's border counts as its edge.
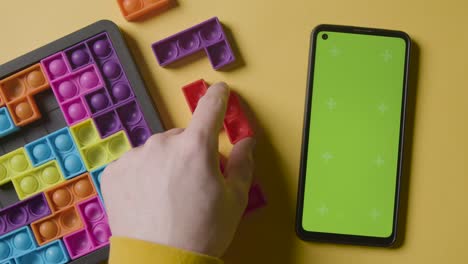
(239, 169)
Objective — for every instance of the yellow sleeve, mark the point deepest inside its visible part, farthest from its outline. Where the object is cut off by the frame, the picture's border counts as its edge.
(126, 250)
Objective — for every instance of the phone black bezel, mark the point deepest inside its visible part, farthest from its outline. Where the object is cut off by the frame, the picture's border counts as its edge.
(341, 238)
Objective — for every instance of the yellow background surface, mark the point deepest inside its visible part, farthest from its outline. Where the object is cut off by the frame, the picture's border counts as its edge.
(272, 37)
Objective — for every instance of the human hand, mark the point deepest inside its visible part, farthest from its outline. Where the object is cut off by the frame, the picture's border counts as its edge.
(171, 190)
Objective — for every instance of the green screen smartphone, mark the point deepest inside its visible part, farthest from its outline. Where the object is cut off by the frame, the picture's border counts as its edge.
(353, 135)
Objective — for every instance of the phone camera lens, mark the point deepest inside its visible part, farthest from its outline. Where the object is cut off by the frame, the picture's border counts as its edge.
(325, 36)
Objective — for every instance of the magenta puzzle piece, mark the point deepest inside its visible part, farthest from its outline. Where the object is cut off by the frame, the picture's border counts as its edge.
(208, 36)
(55, 66)
(96, 233)
(23, 213)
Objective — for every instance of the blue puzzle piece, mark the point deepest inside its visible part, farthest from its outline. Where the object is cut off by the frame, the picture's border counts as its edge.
(96, 176)
(66, 152)
(10, 261)
(16, 243)
(51, 253)
(39, 151)
(7, 126)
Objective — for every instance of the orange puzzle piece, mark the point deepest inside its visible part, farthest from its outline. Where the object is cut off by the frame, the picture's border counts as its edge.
(70, 192)
(17, 91)
(136, 9)
(57, 225)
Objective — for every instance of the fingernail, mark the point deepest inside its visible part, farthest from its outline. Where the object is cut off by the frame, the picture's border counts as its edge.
(223, 87)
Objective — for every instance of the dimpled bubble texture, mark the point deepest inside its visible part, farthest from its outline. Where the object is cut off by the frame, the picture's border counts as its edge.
(78, 56)
(57, 225)
(117, 85)
(7, 126)
(58, 171)
(208, 36)
(55, 66)
(70, 192)
(16, 243)
(17, 92)
(131, 117)
(66, 153)
(105, 150)
(23, 213)
(52, 253)
(13, 164)
(96, 232)
(139, 9)
(236, 123)
(37, 179)
(193, 92)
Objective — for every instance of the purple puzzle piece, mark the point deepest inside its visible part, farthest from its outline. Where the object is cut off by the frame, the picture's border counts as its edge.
(107, 123)
(23, 213)
(208, 36)
(96, 233)
(110, 68)
(135, 125)
(98, 101)
(78, 56)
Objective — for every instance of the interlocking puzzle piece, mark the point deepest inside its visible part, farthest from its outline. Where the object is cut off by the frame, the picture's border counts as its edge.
(55, 66)
(26, 82)
(85, 133)
(107, 123)
(96, 233)
(70, 192)
(110, 68)
(17, 92)
(16, 243)
(7, 126)
(24, 111)
(52, 253)
(57, 225)
(95, 151)
(208, 36)
(96, 176)
(98, 101)
(78, 56)
(134, 123)
(68, 156)
(39, 151)
(193, 92)
(105, 151)
(13, 164)
(68, 88)
(23, 213)
(236, 123)
(37, 179)
(136, 9)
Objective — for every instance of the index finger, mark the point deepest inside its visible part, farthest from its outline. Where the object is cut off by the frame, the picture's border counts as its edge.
(208, 117)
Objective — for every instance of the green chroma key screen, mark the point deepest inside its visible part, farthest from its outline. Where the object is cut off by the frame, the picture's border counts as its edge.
(354, 134)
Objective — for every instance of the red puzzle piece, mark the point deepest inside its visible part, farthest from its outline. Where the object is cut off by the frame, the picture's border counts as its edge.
(193, 92)
(236, 123)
